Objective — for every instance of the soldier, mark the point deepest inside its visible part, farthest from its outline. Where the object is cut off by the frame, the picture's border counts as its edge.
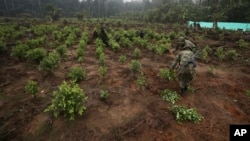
(186, 70)
(184, 42)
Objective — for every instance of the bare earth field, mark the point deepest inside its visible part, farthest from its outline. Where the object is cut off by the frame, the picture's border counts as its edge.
(130, 113)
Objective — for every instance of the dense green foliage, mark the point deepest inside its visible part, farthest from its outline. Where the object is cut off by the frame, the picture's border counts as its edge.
(68, 98)
(50, 62)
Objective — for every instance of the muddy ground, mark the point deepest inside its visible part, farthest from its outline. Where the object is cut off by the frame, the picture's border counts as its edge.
(130, 113)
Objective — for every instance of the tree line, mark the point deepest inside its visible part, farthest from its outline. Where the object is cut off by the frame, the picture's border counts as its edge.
(145, 10)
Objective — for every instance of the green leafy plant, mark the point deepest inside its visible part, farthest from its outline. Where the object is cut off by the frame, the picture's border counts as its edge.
(102, 58)
(98, 51)
(125, 42)
(182, 113)
(135, 66)
(232, 54)
(19, 51)
(172, 35)
(204, 55)
(36, 54)
(208, 49)
(82, 44)
(84, 37)
(141, 80)
(77, 73)
(99, 43)
(79, 54)
(122, 58)
(50, 62)
(114, 45)
(62, 51)
(102, 71)
(137, 53)
(104, 94)
(68, 98)
(167, 74)
(243, 44)
(169, 96)
(32, 87)
(220, 53)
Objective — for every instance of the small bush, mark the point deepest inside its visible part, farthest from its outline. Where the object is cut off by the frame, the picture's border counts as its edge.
(122, 58)
(98, 51)
(141, 80)
(68, 98)
(183, 113)
(102, 59)
(102, 71)
(114, 45)
(50, 62)
(167, 74)
(135, 66)
(80, 54)
(242, 43)
(62, 51)
(32, 87)
(36, 54)
(77, 74)
(19, 51)
(169, 96)
(137, 53)
(232, 54)
(172, 35)
(220, 53)
(104, 94)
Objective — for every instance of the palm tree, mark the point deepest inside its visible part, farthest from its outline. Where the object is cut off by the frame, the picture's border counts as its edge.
(216, 17)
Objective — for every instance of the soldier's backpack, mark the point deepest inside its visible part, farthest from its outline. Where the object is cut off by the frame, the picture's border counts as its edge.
(187, 65)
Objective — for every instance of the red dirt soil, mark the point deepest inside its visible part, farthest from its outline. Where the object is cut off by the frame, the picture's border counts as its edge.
(130, 113)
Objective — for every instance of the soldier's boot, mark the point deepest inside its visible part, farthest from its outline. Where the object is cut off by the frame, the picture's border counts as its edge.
(183, 90)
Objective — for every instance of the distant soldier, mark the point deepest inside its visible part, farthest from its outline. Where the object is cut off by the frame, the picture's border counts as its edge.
(183, 43)
(101, 33)
(186, 70)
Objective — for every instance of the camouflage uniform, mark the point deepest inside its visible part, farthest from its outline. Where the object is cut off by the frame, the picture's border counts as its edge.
(183, 43)
(185, 70)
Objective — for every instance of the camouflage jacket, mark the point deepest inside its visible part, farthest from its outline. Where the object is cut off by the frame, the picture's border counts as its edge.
(188, 43)
(182, 58)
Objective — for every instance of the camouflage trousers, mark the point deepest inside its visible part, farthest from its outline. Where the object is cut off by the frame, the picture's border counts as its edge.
(185, 76)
